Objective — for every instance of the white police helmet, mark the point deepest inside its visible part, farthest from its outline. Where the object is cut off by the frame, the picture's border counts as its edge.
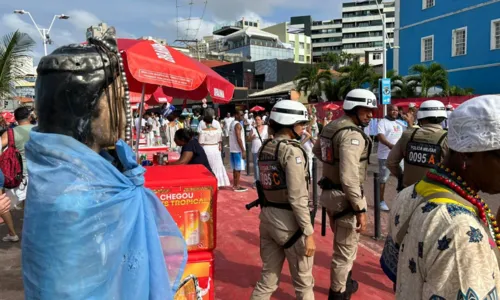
(431, 108)
(360, 98)
(289, 112)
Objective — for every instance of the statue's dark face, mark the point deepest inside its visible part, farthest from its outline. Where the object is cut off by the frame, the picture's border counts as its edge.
(108, 113)
(80, 94)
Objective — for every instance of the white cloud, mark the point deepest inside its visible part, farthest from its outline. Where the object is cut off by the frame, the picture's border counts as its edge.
(14, 22)
(197, 29)
(82, 19)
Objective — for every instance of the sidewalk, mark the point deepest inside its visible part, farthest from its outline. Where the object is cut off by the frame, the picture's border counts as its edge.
(238, 264)
(11, 282)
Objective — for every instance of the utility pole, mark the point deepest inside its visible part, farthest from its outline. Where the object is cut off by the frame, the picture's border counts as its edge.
(384, 55)
(384, 46)
(44, 33)
(191, 41)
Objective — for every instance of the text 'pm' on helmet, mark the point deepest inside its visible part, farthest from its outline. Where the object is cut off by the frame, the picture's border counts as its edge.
(360, 98)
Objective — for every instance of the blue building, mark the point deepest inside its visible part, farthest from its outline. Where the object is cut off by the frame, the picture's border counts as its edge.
(463, 36)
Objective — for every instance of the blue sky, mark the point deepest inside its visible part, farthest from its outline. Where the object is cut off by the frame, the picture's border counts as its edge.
(158, 18)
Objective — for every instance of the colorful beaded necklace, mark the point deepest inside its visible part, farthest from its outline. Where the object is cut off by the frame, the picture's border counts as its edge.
(450, 179)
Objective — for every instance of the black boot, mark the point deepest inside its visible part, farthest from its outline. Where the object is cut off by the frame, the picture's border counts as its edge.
(336, 295)
(351, 287)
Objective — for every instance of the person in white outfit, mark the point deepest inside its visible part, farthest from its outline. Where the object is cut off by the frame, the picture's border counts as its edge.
(307, 140)
(210, 139)
(228, 120)
(150, 136)
(215, 124)
(257, 136)
(170, 130)
(389, 132)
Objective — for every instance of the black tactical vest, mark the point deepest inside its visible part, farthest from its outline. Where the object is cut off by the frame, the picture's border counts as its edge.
(328, 135)
(424, 150)
(272, 174)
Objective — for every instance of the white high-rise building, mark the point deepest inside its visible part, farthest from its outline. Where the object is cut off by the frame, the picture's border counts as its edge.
(326, 37)
(362, 28)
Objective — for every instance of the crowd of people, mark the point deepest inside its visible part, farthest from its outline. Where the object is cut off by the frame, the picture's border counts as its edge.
(449, 235)
(25, 120)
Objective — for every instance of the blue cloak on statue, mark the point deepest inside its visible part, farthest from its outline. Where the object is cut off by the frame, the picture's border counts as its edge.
(93, 232)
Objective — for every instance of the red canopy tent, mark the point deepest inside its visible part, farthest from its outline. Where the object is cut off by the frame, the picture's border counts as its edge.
(149, 65)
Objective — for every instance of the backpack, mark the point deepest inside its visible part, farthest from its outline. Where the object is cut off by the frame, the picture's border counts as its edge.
(11, 163)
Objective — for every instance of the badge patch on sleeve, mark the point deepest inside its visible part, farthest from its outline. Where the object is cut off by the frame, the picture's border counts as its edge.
(354, 142)
(298, 160)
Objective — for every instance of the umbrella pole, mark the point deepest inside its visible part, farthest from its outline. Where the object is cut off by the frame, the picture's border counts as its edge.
(141, 112)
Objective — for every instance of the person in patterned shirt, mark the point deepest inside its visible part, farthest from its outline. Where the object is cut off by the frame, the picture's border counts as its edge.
(443, 241)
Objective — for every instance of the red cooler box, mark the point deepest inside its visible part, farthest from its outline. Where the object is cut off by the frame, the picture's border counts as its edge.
(189, 192)
(200, 266)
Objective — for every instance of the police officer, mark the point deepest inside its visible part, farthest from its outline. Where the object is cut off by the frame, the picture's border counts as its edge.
(421, 148)
(285, 222)
(344, 149)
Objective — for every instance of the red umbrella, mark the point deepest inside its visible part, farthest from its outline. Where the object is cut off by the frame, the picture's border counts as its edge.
(257, 108)
(331, 106)
(8, 117)
(150, 65)
(137, 97)
(159, 97)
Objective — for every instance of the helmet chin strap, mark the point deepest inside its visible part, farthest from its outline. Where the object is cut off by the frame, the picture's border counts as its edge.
(297, 137)
(295, 134)
(361, 123)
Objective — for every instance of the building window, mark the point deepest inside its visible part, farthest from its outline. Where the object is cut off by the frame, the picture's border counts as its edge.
(293, 44)
(427, 48)
(459, 42)
(301, 57)
(428, 4)
(301, 45)
(377, 56)
(495, 34)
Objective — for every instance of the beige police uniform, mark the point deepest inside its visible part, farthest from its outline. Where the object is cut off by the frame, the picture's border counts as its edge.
(421, 148)
(344, 150)
(283, 174)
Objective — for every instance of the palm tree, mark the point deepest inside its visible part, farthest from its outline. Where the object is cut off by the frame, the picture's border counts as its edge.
(427, 77)
(312, 79)
(332, 91)
(332, 59)
(458, 91)
(348, 58)
(354, 76)
(402, 87)
(13, 48)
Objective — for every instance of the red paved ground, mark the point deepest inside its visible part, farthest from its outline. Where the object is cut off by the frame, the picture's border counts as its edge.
(237, 260)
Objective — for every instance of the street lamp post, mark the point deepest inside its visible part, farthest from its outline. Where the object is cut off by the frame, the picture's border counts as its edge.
(384, 53)
(44, 33)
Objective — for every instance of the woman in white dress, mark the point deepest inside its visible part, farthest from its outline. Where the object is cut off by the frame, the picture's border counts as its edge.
(211, 140)
(257, 136)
